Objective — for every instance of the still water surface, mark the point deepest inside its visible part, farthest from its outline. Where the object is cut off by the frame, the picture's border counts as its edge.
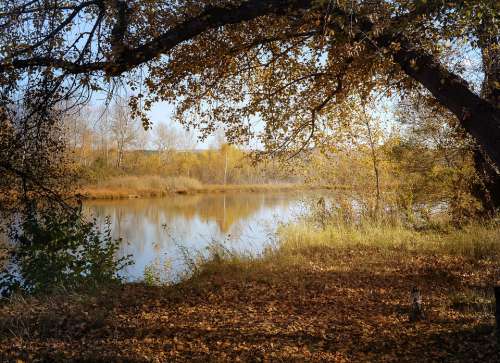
(161, 232)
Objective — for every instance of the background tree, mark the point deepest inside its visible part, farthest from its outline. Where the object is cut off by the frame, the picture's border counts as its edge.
(166, 139)
(34, 165)
(435, 159)
(124, 129)
(102, 128)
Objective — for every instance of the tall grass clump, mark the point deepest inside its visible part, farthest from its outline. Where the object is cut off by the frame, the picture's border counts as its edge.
(151, 182)
(475, 240)
(339, 225)
(219, 263)
(178, 183)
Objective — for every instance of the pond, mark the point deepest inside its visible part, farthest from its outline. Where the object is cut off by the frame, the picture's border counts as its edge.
(164, 234)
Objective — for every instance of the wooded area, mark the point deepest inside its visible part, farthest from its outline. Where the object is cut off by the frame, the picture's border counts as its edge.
(392, 106)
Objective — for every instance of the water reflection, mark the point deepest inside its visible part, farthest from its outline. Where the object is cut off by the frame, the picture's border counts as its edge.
(159, 231)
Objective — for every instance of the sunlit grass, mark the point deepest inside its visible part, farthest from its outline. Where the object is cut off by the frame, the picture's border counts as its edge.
(476, 241)
(342, 247)
(151, 182)
(158, 186)
(140, 186)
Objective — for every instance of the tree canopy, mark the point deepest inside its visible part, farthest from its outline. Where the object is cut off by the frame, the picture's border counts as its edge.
(287, 63)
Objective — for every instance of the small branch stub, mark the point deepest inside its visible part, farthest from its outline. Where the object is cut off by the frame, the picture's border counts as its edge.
(416, 313)
(497, 309)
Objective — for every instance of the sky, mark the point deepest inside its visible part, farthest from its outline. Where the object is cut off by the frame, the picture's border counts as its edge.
(162, 112)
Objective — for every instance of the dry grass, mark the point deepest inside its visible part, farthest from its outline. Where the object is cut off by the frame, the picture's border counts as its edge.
(220, 188)
(139, 186)
(301, 245)
(475, 241)
(155, 186)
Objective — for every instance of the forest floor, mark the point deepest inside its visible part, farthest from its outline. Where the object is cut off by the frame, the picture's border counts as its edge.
(319, 303)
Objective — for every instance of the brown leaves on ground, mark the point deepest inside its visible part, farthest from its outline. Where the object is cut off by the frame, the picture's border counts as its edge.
(337, 306)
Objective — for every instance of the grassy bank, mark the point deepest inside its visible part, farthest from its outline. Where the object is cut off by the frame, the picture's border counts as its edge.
(155, 186)
(138, 186)
(339, 294)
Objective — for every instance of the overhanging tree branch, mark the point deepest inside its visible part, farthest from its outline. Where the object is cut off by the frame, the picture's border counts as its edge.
(480, 118)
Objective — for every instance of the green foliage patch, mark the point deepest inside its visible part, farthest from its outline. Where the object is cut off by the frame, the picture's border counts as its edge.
(59, 249)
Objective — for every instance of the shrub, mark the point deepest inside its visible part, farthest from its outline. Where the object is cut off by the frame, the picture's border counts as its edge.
(60, 249)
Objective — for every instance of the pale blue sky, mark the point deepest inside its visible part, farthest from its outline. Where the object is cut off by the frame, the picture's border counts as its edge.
(162, 112)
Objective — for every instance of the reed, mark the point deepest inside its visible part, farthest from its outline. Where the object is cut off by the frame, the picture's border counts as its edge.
(139, 186)
(475, 240)
(123, 187)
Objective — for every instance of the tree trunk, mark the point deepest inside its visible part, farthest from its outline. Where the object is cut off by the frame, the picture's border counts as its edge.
(375, 169)
(119, 155)
(487, 189)
(225, 168)
(371, 142)
(478, 117)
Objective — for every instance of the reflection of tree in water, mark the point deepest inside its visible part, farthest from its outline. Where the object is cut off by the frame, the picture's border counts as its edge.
(223, 209)
(229, 209)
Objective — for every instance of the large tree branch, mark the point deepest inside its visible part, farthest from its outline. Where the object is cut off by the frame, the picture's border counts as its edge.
(120, 29)
(68, 66)
(129, 58)
(210, 18)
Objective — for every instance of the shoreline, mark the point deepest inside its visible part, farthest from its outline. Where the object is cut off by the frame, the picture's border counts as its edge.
(95, 192)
